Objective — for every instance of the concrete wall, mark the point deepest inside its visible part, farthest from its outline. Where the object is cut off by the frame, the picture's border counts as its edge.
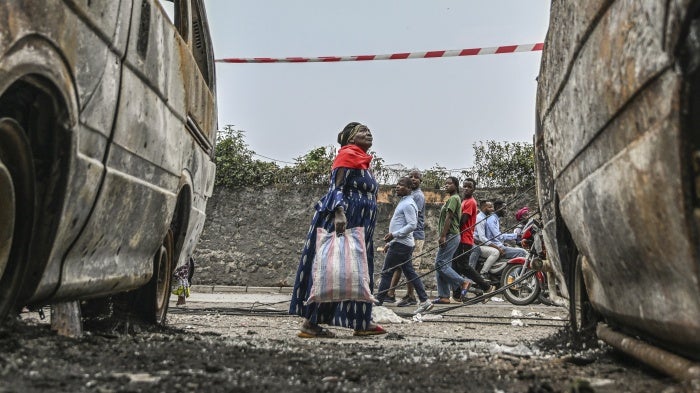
(254, 236)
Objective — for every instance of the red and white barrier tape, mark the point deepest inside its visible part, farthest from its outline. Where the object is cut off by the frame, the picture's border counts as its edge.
(394, 56)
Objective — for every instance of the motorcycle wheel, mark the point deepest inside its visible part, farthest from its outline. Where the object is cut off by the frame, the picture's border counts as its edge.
(525, 292)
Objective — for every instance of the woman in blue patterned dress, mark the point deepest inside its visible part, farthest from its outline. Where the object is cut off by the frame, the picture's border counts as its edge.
(351, 202)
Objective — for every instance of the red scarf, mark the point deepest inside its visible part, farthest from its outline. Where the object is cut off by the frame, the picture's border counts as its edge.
(351, 156)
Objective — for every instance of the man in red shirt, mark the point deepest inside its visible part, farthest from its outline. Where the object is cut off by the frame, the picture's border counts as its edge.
(460, 261)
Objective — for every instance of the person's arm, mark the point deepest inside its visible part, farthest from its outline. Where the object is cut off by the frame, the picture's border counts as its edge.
(464, 220)
(445, 228)
(508, 236)
(465, 216)
(411, 216)
(493, 234)
(452, 206)
(340, 221)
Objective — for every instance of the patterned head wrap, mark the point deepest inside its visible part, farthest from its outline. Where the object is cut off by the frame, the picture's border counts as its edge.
(349, 132)
(523, 212)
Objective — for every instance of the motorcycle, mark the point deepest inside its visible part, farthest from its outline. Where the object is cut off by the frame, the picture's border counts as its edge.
(535, 287)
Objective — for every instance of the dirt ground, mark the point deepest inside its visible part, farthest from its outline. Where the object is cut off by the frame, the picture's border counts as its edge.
(247, 343)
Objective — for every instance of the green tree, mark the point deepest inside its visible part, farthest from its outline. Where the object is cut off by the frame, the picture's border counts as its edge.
(503, 164)
(380, 172)
(314, 166)
(235, 165)
(434, 178)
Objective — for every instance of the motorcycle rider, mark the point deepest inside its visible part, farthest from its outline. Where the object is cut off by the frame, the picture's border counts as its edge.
(486, 251)
(496, 238)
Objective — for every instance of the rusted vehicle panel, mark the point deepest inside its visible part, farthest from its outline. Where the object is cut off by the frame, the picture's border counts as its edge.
(617, 153)
(107, 128)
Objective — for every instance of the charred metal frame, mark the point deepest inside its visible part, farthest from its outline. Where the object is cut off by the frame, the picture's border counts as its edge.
(119, 114)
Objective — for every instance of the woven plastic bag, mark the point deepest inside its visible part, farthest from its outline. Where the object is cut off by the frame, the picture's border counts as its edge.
(339, 271)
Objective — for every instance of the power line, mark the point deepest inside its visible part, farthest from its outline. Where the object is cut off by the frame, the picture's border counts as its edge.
(285, 162)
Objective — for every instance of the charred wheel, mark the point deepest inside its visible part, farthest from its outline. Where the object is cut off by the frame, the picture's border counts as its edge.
(150, 302)
(582, 317)
(16, 211)
(163, 263)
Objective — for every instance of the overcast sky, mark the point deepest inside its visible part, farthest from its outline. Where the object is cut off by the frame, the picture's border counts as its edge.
(422, 112)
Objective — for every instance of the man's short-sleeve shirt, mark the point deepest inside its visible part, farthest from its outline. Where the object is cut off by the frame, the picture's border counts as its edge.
(453, 204)
(468, 207)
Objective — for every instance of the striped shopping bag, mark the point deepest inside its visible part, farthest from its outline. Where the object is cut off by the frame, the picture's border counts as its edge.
(340, 271)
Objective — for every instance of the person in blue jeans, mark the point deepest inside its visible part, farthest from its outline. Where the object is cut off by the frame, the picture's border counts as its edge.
(400, 246)
(448, 230)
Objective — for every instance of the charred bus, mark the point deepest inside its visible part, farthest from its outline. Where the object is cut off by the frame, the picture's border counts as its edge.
(107, 131)
(618, 171)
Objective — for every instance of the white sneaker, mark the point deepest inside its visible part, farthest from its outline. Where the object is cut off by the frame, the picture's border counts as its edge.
(424, 307)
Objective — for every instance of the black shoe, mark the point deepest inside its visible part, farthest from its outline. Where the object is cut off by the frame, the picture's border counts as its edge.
(407, 301)
(457, 294)
(476, 291)
(389, 299)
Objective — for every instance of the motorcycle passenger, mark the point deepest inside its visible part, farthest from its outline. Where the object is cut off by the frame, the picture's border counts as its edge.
(522, 217)
(496, 238)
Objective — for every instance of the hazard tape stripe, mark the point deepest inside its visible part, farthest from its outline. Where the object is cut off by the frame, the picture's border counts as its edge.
(394, 56)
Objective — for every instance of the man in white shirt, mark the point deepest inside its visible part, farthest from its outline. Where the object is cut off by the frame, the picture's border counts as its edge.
(490, 253)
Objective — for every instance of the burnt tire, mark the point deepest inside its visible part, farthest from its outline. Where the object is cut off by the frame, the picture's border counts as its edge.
(16, 218)
(582, 316)
(150, 302)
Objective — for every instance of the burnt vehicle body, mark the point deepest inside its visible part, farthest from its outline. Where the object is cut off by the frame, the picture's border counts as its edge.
(618, 165)
(107, 128)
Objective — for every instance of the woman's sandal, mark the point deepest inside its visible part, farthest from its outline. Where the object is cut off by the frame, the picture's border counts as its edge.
(372, 331)
(314, 332)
